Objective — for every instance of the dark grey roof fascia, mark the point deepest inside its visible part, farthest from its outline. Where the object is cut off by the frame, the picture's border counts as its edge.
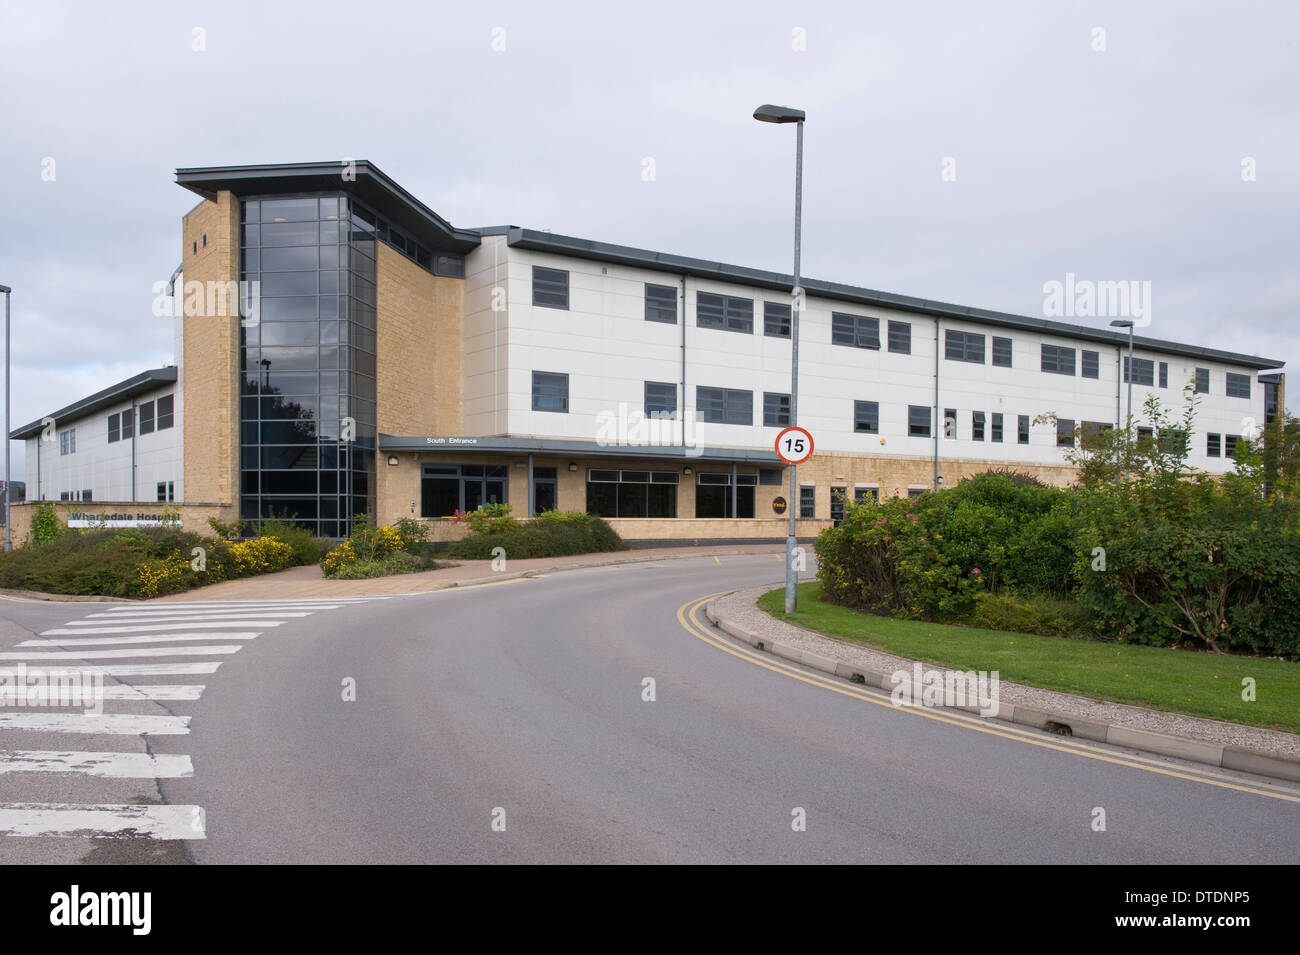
(703, 268)
(1272, 378)
(493, 229)
(370, 184)
(561, 446)
(146, 381)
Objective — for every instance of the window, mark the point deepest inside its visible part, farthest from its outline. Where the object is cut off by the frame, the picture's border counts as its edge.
(447, 488)
(807, 502)
(866, 417)
(1091, 364)
(724, 405)
(550, 287)
(950, 422)
(977, 425)
(114, 428)
(1230, 445)
(900, 337)
(1091, 433)
(1022, 429)
(839, 496)
(166, 490)
(1238, 386)
(660, 399)
(915, 492)
(918, 421)
(1065, 432)
(166, 404)
(1213, 443)
(86, 495)
(769, 477)
(725, 312)
(714, 493)
(68, 441)
(963, 346)
(776, 319)
(1164, 374)
(146, 418)
(1203, 381)
(550, 391)
(1001, 352)
(661, 304)
(1058, 360)
(855, 331)
(128, 423)
(1173, 441)
(1145, 434)
(861, 494)
(776, 410)
(997, 427)
(1144, 371)
(632, 493)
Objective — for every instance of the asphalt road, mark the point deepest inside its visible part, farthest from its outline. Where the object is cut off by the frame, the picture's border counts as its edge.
(506, 723)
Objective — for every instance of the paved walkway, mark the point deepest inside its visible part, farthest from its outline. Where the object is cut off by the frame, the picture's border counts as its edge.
(310, 582)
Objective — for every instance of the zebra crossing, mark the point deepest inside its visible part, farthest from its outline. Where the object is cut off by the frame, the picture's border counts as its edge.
(93, 655)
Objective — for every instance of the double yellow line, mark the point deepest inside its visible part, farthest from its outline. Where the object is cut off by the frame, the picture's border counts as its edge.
(689, 616)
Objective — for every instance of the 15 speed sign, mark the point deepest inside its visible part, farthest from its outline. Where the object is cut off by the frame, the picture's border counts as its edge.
(794, 445)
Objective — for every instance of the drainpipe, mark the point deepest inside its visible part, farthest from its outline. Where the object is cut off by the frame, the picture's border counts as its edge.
(38, 469)
(936, 402)
(734, 513)
(681, 408)
(135, 426)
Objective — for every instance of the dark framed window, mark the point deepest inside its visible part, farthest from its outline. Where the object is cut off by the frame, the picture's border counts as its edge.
(128, 423)
(1203, 381)
(915, 492)
(900, 337)
(1164, 374)
(1091, 433)
(866, 417)
(1058, 360)
(114, 428)
(1230, 445)
(1237, 386)
(855, 331)
(146, 417)
(1146, 434)
(918, 421)
(550, 391)
(1091, 364)
(776, 410)
(807, 503)
(661, 304)
(1001, 352)
(714, 497)
(725, 312)
(87, 495)
(1065, 432)
(1022, 429)
(839, 498)
(977, 425)
(769, 477)
(861, 494)
(166, 408)
(632, 493)
(963, 346)
(1143, 371)
(660, 399)
(724, 405)
(776, 319)
(166, 490)
(950, 422)
(995, 431)
(1173, 440)
(550, 287)
(447, 488)
(1213, 445)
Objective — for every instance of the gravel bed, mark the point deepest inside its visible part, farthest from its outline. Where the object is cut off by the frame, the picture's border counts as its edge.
(741, 608)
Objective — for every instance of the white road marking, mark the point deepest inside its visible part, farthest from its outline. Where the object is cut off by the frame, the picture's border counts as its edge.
(118, 724)
(82, 631)
(59, 819)
(190, 616)
(109, 654)
(148, 669)
(37, 695)
(140, 638)
(287, 604)
(107, 765)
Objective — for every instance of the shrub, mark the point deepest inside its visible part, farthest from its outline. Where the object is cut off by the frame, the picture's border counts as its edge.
(45, 525)
(574, 533)
(227, 531)
(489, 518)
(1039, 613)
(261, 555)
(307, 547)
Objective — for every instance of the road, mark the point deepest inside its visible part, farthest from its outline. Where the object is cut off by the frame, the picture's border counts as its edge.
(507, 722)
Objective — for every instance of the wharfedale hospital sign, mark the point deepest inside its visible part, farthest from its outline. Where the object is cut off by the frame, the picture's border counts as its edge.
(119, 519)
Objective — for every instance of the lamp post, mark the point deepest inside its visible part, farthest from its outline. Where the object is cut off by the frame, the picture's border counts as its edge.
(784, 114)
(9, 542)
(1127, 323)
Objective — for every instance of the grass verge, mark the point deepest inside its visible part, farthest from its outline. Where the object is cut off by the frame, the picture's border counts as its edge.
(1184, 681)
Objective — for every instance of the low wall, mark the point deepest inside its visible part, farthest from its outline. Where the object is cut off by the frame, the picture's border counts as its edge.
(194, 517)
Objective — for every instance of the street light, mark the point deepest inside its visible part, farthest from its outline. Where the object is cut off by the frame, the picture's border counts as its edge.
(1127, 323)
(784, 114)
(9, 541)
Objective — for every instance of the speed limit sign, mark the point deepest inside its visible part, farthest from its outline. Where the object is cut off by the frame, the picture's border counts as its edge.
(794, 445)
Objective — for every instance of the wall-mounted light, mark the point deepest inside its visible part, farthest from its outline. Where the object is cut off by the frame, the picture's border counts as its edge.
(686, 470)
(412, 506)
(572, 466)
(392, 460)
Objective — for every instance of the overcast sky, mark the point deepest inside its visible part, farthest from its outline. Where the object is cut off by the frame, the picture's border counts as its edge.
(1109, 140)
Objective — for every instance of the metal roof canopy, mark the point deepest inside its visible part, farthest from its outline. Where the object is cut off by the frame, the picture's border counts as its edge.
(561, 446)
(146, 381)
(703, 268)
(369, 184)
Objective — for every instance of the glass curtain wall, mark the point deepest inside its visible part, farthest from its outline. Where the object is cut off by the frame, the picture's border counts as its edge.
(307, 362)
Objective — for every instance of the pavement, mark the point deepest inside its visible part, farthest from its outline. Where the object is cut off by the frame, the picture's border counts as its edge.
(588, 716)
